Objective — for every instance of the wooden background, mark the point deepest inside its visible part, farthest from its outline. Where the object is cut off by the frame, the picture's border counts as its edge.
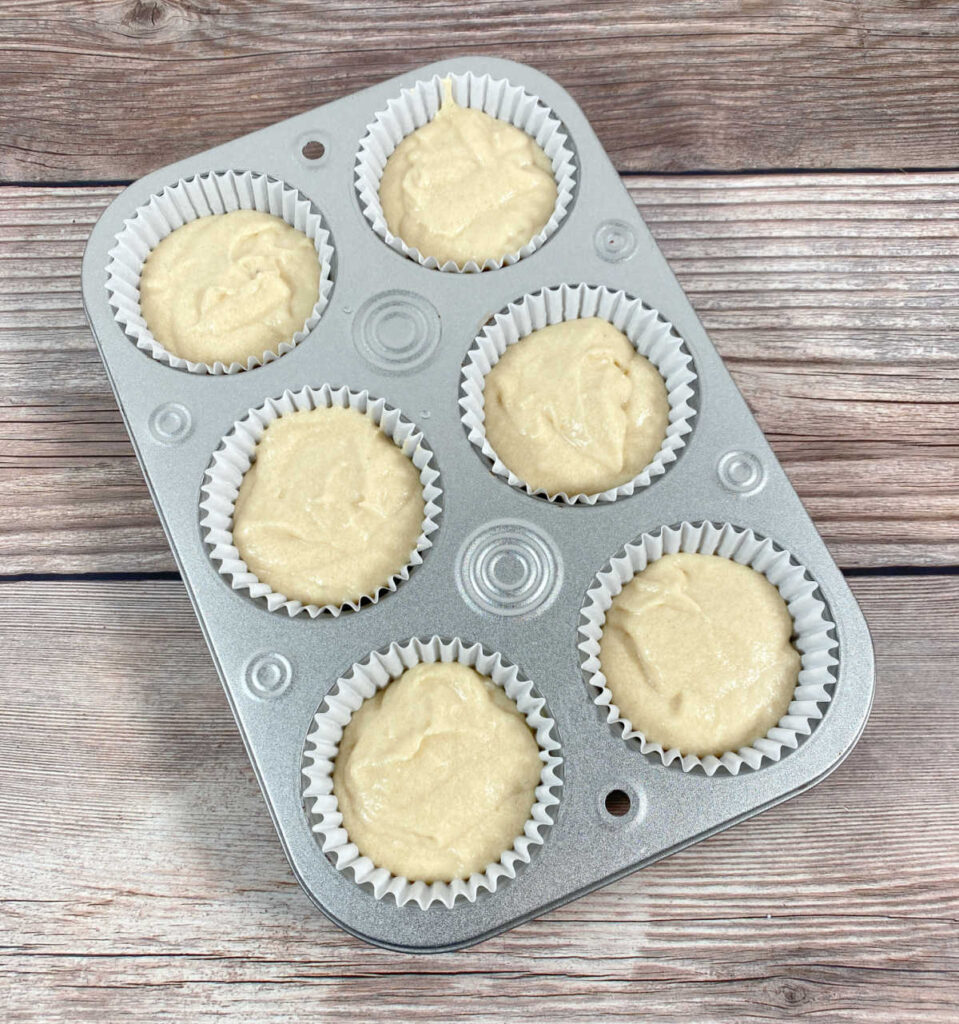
(799, 164)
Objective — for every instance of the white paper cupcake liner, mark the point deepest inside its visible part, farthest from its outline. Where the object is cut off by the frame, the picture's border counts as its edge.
(415, 106)
(235, 455)
(814, 635)
(322, 743)
(651, 335)
(189, 199)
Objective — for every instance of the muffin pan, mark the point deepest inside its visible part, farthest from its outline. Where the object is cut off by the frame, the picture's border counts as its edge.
(513, 572)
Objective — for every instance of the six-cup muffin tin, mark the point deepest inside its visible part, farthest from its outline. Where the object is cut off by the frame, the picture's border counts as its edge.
(402, 331)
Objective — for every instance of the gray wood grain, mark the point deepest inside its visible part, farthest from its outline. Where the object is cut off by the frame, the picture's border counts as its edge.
(721, 84)
(142, 879)
(833, 299)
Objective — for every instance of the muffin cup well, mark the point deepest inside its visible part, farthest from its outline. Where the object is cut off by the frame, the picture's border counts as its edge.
(651, 335)
(322, 744)
(235, 456)
(189, 199)
(814, 635)
(415, 106)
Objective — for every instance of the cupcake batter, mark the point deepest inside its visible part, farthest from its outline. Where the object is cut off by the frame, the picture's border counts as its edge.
(229, 286)
(436, 774)
(573, 408)
(697, 654)
(330, 509)
(467, 186)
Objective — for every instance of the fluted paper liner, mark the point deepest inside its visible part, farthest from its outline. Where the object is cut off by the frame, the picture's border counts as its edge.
(322, 743)
(235, 456)
(416, 106)
(651, 335)
(189, 199)
(814, 635)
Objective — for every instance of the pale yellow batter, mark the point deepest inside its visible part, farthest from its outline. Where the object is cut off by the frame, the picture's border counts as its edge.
(574, 408)
(467, 186)
(697, 654)
(229, 286)
(330, 509)
(436, 774)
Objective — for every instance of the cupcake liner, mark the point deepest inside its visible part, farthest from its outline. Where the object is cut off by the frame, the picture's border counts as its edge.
(814, 635)
(235, 455)
(651, 335)
(322, 743)
(187, 200)
(415, 106)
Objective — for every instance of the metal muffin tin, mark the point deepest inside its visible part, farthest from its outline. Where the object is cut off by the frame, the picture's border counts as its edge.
(277, 669)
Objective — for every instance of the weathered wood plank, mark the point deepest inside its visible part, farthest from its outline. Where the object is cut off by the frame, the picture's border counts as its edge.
(717, 85)
(834, 300)
(143, 880)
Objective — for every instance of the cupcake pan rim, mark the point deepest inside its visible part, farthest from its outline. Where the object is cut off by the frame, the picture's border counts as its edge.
(276, 669)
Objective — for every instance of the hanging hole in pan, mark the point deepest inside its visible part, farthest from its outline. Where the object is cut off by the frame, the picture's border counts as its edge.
(618, 803)
(313, 149)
